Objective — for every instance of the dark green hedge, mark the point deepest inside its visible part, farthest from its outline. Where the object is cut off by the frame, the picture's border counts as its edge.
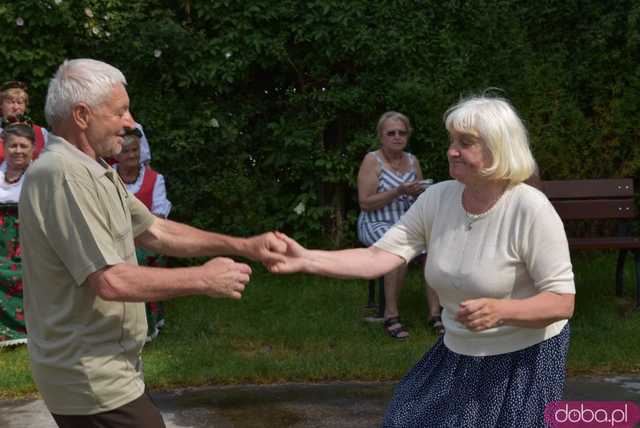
(256, 107)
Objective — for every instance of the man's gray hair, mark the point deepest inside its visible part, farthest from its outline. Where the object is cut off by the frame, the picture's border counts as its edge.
(79, 80)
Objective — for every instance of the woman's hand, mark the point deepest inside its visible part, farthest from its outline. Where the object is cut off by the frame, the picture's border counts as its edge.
(480, 314)
(413, 188)
(293, 259)
(537, 311)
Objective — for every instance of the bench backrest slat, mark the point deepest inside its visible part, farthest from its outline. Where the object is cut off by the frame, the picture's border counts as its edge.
(592, 199)
(588, 189)
(595, 209)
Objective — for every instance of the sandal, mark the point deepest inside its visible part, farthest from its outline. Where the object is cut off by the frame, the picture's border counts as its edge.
(436, 324)
(394, 329)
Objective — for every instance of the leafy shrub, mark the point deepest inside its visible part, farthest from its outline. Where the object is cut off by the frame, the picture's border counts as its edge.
(255, 109)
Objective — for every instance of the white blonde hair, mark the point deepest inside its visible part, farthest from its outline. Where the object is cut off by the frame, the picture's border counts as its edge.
(497, 124)
(80, 80)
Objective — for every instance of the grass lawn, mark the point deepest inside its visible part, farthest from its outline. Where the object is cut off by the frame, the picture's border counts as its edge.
(305, 328)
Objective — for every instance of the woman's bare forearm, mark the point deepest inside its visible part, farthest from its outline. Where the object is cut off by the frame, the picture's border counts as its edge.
(538, 311)
(365, 263)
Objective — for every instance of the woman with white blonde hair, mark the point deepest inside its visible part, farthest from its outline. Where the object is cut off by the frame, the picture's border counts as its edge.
(499, 261)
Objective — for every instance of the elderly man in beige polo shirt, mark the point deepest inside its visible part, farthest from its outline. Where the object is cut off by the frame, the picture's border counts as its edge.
(83, 289)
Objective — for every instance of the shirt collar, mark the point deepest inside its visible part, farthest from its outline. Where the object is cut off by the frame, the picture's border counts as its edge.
(97, 167)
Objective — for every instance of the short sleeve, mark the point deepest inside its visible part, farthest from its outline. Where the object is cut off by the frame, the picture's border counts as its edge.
(141, 217)
(545, 252)
(85, 237)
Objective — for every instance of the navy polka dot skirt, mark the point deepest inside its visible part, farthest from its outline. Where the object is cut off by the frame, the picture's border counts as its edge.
(445, 389)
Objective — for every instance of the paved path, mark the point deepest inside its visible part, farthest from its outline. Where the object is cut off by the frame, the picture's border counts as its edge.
(336, 405)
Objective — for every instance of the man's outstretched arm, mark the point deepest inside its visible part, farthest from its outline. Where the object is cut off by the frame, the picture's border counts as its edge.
(219, 277)
(180, 240)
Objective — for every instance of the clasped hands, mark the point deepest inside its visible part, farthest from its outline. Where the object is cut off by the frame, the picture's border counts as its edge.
(281, 254)
(224, 277)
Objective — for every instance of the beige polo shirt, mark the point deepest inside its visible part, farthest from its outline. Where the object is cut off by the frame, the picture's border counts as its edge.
(76, 217)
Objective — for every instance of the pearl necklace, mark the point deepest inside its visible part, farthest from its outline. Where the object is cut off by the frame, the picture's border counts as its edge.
(472, 218)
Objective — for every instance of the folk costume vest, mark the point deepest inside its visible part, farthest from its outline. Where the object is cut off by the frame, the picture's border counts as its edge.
(145, 194)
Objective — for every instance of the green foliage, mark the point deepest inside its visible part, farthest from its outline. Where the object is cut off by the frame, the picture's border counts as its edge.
(255, 107)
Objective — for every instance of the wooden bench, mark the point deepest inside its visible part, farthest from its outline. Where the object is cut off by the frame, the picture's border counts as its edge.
(601, 199)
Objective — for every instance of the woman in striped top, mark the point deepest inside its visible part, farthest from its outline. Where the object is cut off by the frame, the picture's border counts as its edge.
(388, 183)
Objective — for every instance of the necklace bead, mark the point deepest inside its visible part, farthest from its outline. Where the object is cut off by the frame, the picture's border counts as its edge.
(471, 218)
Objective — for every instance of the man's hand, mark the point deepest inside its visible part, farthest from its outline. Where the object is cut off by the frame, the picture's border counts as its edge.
(225, 278)
(293, 259)
(480, 314)
(266, 248)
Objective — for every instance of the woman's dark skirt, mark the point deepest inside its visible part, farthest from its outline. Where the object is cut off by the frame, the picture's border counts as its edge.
(445, 389)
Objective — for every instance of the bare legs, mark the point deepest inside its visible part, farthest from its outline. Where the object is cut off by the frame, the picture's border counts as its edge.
(433, 302)
(393, 282)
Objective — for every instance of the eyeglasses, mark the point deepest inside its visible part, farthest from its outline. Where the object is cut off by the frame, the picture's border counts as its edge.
(395, 132)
